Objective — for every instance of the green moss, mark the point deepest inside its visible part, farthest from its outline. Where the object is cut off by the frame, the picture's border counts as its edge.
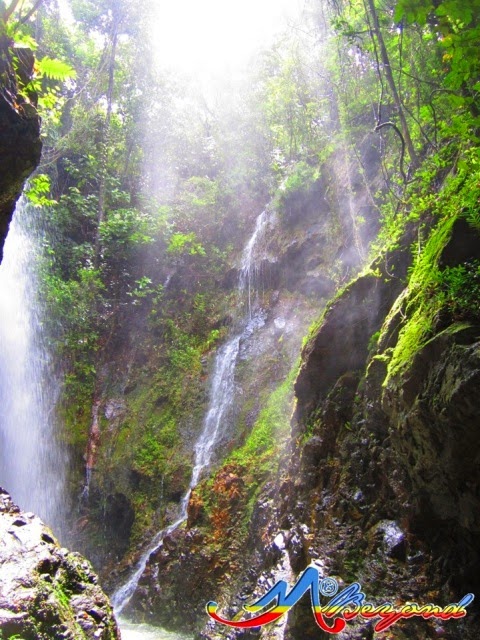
(271, 425)
(372, 343)
(431, 289)
(254, 463)
(75, 410)
(159, 436)
(424, 300)
(53, 602)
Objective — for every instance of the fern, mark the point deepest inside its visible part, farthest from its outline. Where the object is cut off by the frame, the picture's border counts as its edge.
(55, 69)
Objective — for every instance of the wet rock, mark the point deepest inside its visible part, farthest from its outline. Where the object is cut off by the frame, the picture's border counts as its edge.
(114, 408)
(279, 541)
(341, 345)
(298, 550)
(20, 143)
(119, 514)
(312, 451)
(392, 538)
(462, 246)
(316, 285)
(45, 591)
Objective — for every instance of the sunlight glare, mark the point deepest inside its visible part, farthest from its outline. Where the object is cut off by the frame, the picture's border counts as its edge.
(209, 36)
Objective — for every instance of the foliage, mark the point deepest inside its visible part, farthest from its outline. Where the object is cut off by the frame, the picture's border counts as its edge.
(296, 187)
(38, 84)
(457, 28)
(38, 191)
(434, 290)
(434, 100)
(54, 69)
(185, 242)
(293, 110)
(271, 425)
(302, 177)
(147, 192)
(461, 287)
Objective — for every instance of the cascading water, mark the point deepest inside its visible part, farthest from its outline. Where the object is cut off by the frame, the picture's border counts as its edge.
(221, 398)
(222, 394)
(252, 257)
(223, 388)
(132, 631)
(31, 463)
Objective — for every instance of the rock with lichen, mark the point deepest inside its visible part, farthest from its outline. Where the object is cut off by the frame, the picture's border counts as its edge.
(47, 591)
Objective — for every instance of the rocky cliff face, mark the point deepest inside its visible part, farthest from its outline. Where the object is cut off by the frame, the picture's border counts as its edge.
(45, 591)
(140, 474)
(20, 144)
(235, 516)
(380, 480)
(386, 463)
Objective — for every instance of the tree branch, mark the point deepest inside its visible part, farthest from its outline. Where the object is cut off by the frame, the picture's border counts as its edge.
(406, 138)
(399, 133)
(30, 13)
(8, 12)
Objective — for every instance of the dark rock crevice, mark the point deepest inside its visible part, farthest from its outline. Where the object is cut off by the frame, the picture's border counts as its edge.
(20, 143)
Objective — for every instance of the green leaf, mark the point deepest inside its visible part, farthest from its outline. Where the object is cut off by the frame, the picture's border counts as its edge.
(412, 11)
(55, 69)
(38, 190)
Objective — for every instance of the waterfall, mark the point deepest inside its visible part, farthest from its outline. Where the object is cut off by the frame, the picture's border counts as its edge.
(31, 463)
(221, 396)
(252, 257)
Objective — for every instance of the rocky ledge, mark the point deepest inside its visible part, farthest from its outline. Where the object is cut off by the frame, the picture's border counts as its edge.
(20, 142)
(46, 591)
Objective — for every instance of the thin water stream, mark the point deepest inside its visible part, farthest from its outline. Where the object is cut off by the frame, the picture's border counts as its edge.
(253, 254)
(221, 398)
(222, 394)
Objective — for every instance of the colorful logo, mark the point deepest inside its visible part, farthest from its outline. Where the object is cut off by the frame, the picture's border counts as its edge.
(343, 606)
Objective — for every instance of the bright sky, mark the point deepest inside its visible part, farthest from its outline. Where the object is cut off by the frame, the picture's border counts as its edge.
(210, 36)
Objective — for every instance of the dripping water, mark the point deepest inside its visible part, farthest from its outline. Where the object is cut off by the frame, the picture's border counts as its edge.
(253, 255)
(93, 439)
(221, 395)
(32, 464)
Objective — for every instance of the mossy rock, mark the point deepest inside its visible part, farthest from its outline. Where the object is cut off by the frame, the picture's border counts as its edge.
(46, 591)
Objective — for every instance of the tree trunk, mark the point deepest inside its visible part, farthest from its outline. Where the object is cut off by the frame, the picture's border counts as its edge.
(391, 83)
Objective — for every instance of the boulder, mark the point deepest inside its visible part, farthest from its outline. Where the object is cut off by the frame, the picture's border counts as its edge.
(46, 591)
